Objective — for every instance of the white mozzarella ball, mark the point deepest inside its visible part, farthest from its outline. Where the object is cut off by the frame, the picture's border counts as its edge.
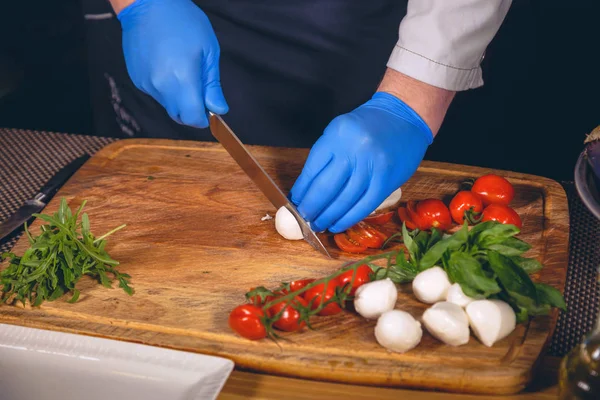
(431, 285)
(457, 296)
(398, 331)
(491, 320)
(448, 323)
(374, 298)
(286, 225)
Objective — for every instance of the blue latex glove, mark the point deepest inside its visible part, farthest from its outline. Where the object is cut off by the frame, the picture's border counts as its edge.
(172, 54)
(361, 158)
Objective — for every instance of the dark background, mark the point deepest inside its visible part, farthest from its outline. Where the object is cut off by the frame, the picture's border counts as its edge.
(541, 94)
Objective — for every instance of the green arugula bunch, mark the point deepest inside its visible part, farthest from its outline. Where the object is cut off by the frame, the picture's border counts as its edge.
(486, 261)
(57, 258)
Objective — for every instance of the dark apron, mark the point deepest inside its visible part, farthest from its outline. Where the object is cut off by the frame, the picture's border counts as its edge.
(288, 67)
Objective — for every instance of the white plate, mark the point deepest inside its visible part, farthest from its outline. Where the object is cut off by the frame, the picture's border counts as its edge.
(47, 365)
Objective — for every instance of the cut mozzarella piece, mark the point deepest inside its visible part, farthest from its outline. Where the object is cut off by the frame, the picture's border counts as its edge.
(431, 285)
(448, 323)
(374, 298)
(286, 225)
(457, 296)
(391, 200)
(398, 331)
(491, 320)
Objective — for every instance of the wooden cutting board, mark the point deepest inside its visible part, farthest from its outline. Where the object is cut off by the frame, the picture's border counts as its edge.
(195, 243)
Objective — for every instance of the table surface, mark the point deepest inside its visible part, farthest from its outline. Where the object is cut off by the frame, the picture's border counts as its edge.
(29, 158)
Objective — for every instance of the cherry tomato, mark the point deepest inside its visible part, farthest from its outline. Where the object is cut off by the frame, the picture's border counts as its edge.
(501, 213)
(362, 276)
(289, 320)
(256, 300)
(246, 321)
(404, 217)
(379, 219)
(463, 201)
(297, 285)
(316, 294)
(493, 189)
(348, 245)
(430, 213)
(367, 235)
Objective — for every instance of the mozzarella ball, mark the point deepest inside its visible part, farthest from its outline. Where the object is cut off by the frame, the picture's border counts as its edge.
(286, 225)
(391, 200)
(491, 320)
(431, 285)
(457, 296)
(374, 298)
(398, 331)
(448, 323)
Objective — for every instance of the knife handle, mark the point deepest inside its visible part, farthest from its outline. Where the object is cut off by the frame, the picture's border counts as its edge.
(52, 186)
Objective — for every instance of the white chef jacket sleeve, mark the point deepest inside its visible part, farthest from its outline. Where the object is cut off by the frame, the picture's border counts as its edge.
(442, 42)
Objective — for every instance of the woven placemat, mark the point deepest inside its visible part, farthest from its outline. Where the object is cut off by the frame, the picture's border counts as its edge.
(30, 158)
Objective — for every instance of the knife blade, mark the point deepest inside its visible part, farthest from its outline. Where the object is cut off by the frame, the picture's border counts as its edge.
(41, 199)
(236, 149)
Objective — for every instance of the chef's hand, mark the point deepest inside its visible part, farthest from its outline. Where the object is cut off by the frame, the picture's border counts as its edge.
(361, 158)
(172, 54)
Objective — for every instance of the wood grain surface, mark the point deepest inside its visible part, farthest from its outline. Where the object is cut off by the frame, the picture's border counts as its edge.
(195, 243)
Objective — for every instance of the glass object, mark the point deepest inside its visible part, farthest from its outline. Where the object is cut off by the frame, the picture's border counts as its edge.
(579, 374)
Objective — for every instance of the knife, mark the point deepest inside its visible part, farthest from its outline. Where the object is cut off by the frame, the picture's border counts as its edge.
(255, 171)
(41, 199)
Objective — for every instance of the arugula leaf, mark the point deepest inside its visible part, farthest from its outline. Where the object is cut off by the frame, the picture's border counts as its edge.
(551, 296)
(434, 254)
(465, 270)
(57, 259)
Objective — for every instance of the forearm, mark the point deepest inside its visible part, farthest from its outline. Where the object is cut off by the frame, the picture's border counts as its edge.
(430, 102)
(119, 5)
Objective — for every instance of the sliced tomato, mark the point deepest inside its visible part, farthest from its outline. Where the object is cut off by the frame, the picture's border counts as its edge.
(362, 276)
(289, 319)
(503, 214)
(404, 217)
(367, 235)
(379, 219)
(348, 245)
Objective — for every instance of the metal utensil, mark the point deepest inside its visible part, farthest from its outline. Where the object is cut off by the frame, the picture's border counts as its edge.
(41, 199)
(259, 176)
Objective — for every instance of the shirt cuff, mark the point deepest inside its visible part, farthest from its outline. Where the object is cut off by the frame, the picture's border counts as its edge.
(434, 73)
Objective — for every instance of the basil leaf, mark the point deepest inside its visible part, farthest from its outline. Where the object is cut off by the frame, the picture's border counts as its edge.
(529, 265)
(495, 234)
(551, 296)
(509, 247)
(434, 254)
(411, 246)
(435, 237)
(511, 276)
(465, 270)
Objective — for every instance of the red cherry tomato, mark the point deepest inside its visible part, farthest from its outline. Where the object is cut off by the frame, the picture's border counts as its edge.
(316, 293)
(246, 321)
(289, 319)
(463, 201)
(348, 245)
(380, 219)
(256, 300)
(404, 217)
(430, 213)
(297, 285)
(493, 189)
(367, 235)
(361, 277)
(501, 213)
